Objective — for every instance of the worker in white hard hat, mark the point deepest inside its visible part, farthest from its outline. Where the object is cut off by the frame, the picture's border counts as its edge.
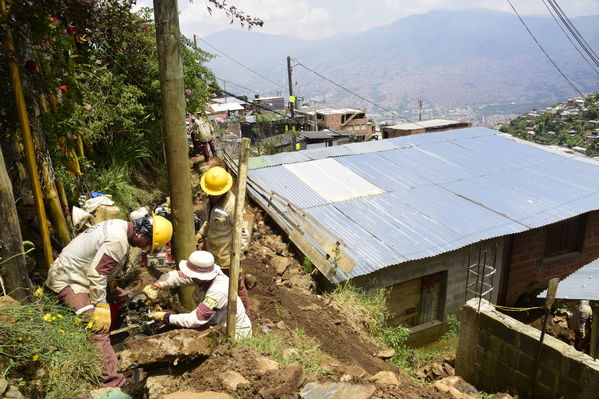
(81, 274)
(216, 234)
(201, 271)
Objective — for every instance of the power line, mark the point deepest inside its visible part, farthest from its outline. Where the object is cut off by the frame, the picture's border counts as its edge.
(243, 66)
(237, 85)
(575, 33)
(568, 36)
(542, 49)
(352, 92)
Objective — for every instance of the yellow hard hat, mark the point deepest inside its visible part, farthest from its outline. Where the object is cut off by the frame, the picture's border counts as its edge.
(162, 231)
(216, 181)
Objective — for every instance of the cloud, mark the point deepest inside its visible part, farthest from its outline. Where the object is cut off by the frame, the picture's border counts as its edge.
(315, 19)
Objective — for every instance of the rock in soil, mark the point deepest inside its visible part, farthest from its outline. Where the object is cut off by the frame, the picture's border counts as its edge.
(289, 379)
(232, 379)
(198, 395)
(169, 346)
(280, 264)
(160, 385)
(386, 354)
(385, 378)
(332, 390)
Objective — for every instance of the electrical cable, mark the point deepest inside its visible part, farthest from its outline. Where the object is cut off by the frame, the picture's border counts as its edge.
(575, 32)
(243, 66)
(542, 49)
(568, 37)
(237, 85)
(354, 93)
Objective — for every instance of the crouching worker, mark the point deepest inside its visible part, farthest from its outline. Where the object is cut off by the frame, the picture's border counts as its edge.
(212, 310)
(83, 269)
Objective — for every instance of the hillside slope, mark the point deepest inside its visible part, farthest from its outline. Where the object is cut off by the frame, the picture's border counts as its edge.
(451, 58)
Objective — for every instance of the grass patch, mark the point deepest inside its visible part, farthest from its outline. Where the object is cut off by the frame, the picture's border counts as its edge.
(366, 312)
(47, 343)
(454, 328)
(299, 348)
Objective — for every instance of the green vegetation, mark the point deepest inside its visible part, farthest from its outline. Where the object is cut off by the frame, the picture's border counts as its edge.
(367, 313)
(561, 126)
(46, 343)
(299, 348)
(454, 327)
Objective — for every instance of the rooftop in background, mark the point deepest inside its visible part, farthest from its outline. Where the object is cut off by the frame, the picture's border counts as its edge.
(229, 99)
(438, 191)
(583, 284)
(329, 111)
(432, 123)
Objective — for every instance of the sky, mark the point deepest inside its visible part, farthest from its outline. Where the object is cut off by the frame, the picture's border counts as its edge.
(315, 19)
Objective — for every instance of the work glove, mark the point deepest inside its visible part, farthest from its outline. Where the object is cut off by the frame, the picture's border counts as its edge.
(152, 290)
(158, 316)
(101, 318)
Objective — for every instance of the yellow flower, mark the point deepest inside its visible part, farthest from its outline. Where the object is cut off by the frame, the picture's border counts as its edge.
(53, 317)
(38, 293)
(89, 325)
(20, 338)
(35, 357)
(61, 331)
(59, 316)
(77, 320)
(48, 317)
(30, 310)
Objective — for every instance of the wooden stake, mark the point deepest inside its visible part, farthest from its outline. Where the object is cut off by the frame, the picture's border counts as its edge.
(27, 142)
(594, 330)
(244, 154)
(168, 39)
(551, 291)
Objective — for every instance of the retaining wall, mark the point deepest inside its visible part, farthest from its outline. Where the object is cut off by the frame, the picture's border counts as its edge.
(497, 353)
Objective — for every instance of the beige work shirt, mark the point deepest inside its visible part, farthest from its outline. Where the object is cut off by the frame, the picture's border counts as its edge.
(218, 230)
(91, 259)
(202, 130)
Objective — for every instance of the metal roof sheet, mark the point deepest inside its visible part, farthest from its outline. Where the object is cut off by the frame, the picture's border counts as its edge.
(443, 192)
(332, 180)
(583, 284)
(423, 124)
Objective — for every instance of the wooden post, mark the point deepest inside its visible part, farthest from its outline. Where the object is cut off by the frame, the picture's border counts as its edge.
(27, 142)
(244, 154)
(551, 291)
(168, 39)
(12, 271)
(594, 330)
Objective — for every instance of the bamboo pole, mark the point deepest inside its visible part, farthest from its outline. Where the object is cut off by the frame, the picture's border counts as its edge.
(27, 142)
(175, 137)
(244, 154)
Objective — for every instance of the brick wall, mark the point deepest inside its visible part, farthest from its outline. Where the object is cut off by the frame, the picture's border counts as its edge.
(497, 353)
(529, 271)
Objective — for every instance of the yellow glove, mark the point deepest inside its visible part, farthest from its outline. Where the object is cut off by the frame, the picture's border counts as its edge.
(101, 318)
(152, 290)
(158, 316)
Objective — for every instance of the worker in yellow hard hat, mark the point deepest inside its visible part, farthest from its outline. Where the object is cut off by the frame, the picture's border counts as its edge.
(81, 273)
(216, 234)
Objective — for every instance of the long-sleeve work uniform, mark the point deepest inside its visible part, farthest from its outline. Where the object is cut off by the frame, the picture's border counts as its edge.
(212, 310)
(218, 230)
(80, 276)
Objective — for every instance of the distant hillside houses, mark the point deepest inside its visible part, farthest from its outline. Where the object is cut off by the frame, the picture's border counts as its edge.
(573, 124)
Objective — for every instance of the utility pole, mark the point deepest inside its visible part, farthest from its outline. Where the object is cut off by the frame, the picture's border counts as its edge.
(420, 109)
(291, 99)
(195, 43)
(168, 39)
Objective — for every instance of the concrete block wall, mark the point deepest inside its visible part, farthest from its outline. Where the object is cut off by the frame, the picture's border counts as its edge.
(531, 272)
(497, 353)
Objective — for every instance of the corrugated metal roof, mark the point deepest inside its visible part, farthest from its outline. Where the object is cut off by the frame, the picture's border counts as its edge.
(444, 191)
(332, 180)
(423, 124)
(583, 284)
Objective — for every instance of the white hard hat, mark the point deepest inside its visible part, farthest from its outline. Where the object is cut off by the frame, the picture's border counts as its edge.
(200, 265)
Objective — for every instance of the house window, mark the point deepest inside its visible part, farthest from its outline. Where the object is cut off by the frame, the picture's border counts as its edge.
(565, 237)
(417, 301)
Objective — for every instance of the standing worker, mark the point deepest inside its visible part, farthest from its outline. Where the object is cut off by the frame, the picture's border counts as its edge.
(202, 138)
(216, 234)
(201, 271)
(83, 269)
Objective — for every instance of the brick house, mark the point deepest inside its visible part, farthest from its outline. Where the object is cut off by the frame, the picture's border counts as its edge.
(349, 120)
(412, 214)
